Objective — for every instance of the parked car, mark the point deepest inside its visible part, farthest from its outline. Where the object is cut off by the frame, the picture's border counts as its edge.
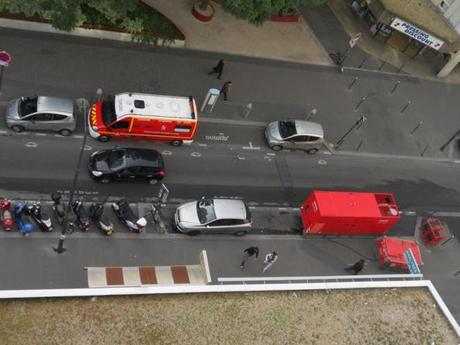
(213, 216)
(41, 113)
(294, 134)
(126, 164)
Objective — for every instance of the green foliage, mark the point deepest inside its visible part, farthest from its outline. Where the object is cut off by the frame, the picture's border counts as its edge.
(133, 16)
(64, 15)
(259, 11)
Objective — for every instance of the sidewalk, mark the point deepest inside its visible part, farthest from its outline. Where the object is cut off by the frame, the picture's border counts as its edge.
(227, 34)
(308, 41)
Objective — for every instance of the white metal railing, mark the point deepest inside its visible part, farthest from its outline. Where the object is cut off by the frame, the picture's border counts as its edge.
(320, 279)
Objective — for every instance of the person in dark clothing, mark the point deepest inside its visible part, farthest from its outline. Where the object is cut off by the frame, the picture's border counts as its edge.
(247, 253)
(219, 68)
(226, 89)
(356, 267)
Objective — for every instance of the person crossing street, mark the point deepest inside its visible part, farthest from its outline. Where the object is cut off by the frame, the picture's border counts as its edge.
(247, 253)
(270, 259)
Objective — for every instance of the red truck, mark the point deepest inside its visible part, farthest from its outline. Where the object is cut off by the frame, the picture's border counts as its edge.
(349, 213)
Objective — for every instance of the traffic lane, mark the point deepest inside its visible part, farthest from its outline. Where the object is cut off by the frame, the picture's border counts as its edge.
(232, 171)
(416, 183)
(219, 133)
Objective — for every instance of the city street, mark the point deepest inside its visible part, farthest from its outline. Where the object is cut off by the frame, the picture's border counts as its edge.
(397, 150)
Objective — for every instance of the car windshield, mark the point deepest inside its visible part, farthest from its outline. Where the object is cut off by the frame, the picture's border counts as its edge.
(108, 112)
(287, 128)
(205, 211)
(116, 159)
(28, 105)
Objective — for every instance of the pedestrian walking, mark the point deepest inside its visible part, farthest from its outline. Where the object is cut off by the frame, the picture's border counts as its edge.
(270, 259)
(356, 267)
(247, 253)
(226, 89)
(219, 68)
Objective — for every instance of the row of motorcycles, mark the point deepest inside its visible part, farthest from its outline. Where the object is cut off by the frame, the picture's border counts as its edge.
(21, 211)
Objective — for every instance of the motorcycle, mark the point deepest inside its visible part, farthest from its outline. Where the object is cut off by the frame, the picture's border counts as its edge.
(5, 214)
(96, 214)
(81, 214)
(39, 217)
(58, 207)
(126, 215)
(24, 227)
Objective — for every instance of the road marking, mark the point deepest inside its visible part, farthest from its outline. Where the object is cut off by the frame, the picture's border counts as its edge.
(322, 162)
(87, 148)
(270, 154)
(78, 136)
(31, 144)
(3, 132)
(219, 137)
(41, 134)
(166, 153)
(195, 154)
(250, 147)
(240, 157)
(268, 158)
(203, 145)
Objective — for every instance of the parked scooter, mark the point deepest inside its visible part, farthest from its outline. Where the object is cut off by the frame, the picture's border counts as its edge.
(24, 227)
(81, 214)
(126, 215)
(5, 214)
(58, 207)
(96, 214)
(39, 217)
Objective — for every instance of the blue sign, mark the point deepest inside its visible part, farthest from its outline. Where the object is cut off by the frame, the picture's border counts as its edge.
(411, 263)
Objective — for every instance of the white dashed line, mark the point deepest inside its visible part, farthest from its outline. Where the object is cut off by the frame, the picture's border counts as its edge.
(203, 145)
(195, 154)
(166, 153)
(31, 144)
(3, 132)
(322, 162)
(40, 134)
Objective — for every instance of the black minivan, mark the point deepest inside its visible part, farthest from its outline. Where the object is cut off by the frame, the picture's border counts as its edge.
(126, 164)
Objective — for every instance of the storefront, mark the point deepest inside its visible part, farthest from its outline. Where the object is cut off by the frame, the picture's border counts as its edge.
(396, 32)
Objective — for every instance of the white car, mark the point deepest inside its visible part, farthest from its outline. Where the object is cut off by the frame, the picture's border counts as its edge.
(213, 216)
(295, 134)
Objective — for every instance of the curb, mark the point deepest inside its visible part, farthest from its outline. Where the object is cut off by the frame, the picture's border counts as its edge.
(81, 32)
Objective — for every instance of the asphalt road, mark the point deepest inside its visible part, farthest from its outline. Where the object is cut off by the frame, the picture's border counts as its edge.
(226, 159)
(235, 167)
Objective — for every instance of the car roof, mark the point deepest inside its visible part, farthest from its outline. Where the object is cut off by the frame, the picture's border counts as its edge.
(143, 157)
(309, 128)
(230, 209)
(55, 105)
(154, 105)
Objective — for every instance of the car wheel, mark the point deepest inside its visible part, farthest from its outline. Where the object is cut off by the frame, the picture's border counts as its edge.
(18, 129)
(276, 147)
(312, 151)
(176, 143)
(65, 132)
(104, 180)
(240, 233)
(103, 138)
(193, 233)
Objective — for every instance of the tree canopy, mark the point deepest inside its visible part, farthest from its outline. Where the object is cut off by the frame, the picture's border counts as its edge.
(259, 11)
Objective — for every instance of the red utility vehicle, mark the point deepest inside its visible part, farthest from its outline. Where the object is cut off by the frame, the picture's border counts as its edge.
(391, 252)
(144, 116)
(349, 213)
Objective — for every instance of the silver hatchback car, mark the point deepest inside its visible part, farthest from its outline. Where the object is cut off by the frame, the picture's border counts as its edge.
(295, 134)
(41, 113)
(213, 216)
